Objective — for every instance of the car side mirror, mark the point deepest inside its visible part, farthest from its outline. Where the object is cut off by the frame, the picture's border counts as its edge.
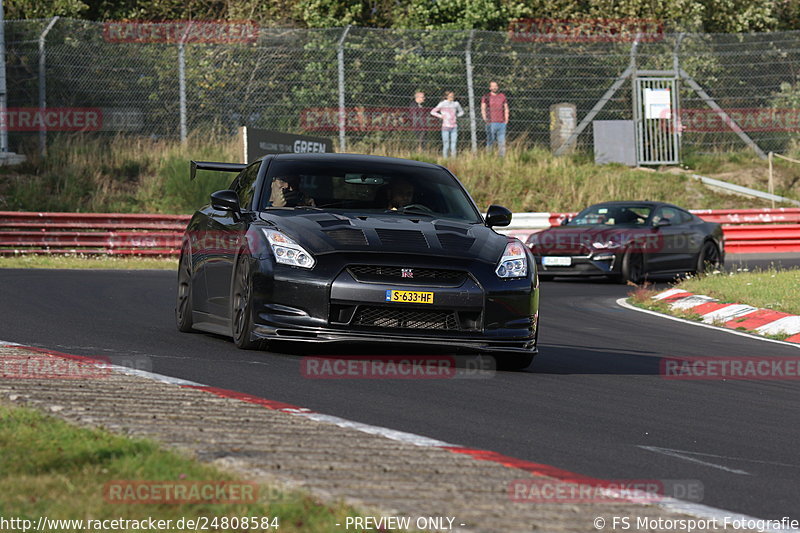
(226, 200)
(497, 215)
(663, 222)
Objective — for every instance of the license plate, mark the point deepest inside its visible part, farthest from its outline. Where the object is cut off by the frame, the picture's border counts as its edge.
(411, 297)
(557, 261)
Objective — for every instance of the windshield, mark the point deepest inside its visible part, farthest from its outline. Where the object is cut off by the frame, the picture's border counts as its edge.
(617, 215)
(367, 187)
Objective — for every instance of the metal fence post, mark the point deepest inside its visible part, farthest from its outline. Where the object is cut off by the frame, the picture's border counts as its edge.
(182, 81)
(471, 93)
(342, 111)
(43, 84)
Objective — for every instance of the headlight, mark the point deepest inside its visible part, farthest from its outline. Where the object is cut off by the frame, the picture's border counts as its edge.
(287, 251)
(514, 263)
(606, 245)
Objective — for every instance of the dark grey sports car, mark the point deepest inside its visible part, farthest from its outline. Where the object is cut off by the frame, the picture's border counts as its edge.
(352, 248)
(627, 241)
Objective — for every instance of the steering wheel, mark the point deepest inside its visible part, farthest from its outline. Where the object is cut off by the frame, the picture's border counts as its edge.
(417, 206)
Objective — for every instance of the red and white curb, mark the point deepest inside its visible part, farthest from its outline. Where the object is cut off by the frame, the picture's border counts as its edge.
(734, 316)
(669, 504)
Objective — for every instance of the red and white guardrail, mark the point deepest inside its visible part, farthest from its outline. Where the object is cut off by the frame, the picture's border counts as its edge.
(746, 231)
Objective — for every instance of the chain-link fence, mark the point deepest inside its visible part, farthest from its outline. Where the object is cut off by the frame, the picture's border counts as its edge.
(357, 84)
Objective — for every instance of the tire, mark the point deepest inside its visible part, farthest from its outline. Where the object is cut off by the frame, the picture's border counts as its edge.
(633, 267)
(242, 308)
(513, 362)
(183, 304)
(546, 277)
(708, 259)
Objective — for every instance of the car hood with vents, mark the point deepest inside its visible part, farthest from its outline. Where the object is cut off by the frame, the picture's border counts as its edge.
(327, 232)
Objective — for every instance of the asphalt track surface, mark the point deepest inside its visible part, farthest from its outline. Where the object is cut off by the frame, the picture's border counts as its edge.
(590, 401)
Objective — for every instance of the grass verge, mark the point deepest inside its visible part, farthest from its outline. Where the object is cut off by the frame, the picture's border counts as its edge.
(134, 174)
(766, 289)
(49, 468)
(88, 262)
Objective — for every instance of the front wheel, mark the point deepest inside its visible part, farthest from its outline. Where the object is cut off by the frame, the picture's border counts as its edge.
(183, 305)
(633, 266)
(708, 259)
(242, 308)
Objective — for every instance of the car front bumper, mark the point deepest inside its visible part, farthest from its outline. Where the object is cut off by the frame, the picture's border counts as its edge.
(331, 304)
(584, 266)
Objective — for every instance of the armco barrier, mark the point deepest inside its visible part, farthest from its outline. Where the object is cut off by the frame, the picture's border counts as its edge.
(90, 233)
(746, 231)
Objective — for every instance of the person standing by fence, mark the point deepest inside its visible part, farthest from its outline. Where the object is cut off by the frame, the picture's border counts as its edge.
(418, 114)
(494, 109)
(448, 110)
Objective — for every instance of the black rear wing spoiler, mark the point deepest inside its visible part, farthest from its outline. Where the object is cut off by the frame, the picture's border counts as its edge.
(194, 166)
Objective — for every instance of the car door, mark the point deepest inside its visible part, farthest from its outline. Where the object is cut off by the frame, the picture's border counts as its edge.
(689, 240)
(669, 248)
(225, 234)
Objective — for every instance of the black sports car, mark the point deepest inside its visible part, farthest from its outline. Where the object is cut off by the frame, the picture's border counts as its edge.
(344, 247)
(628, 241)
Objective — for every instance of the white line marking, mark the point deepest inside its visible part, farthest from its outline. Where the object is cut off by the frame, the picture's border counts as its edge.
(152, 375)
(410, 438)
(775, 463)
(624, 303)
(7, 343)
(683, 455)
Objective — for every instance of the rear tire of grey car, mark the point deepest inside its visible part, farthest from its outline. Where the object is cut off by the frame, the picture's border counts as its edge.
(708, 258)
(546, 277)
(183, 305)
(242, 308)
(633, 266)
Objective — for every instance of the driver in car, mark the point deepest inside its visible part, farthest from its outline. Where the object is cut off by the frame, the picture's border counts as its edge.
(401, 194)
(285, 192)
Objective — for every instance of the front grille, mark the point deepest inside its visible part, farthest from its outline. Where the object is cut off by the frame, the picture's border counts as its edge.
(388, 317)
(401, 238)
(419, 276)
(347, 237)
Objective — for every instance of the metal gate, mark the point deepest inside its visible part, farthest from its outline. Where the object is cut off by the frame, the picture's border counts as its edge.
(655, 114)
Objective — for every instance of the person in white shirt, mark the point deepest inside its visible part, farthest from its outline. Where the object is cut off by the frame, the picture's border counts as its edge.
(448, 110)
